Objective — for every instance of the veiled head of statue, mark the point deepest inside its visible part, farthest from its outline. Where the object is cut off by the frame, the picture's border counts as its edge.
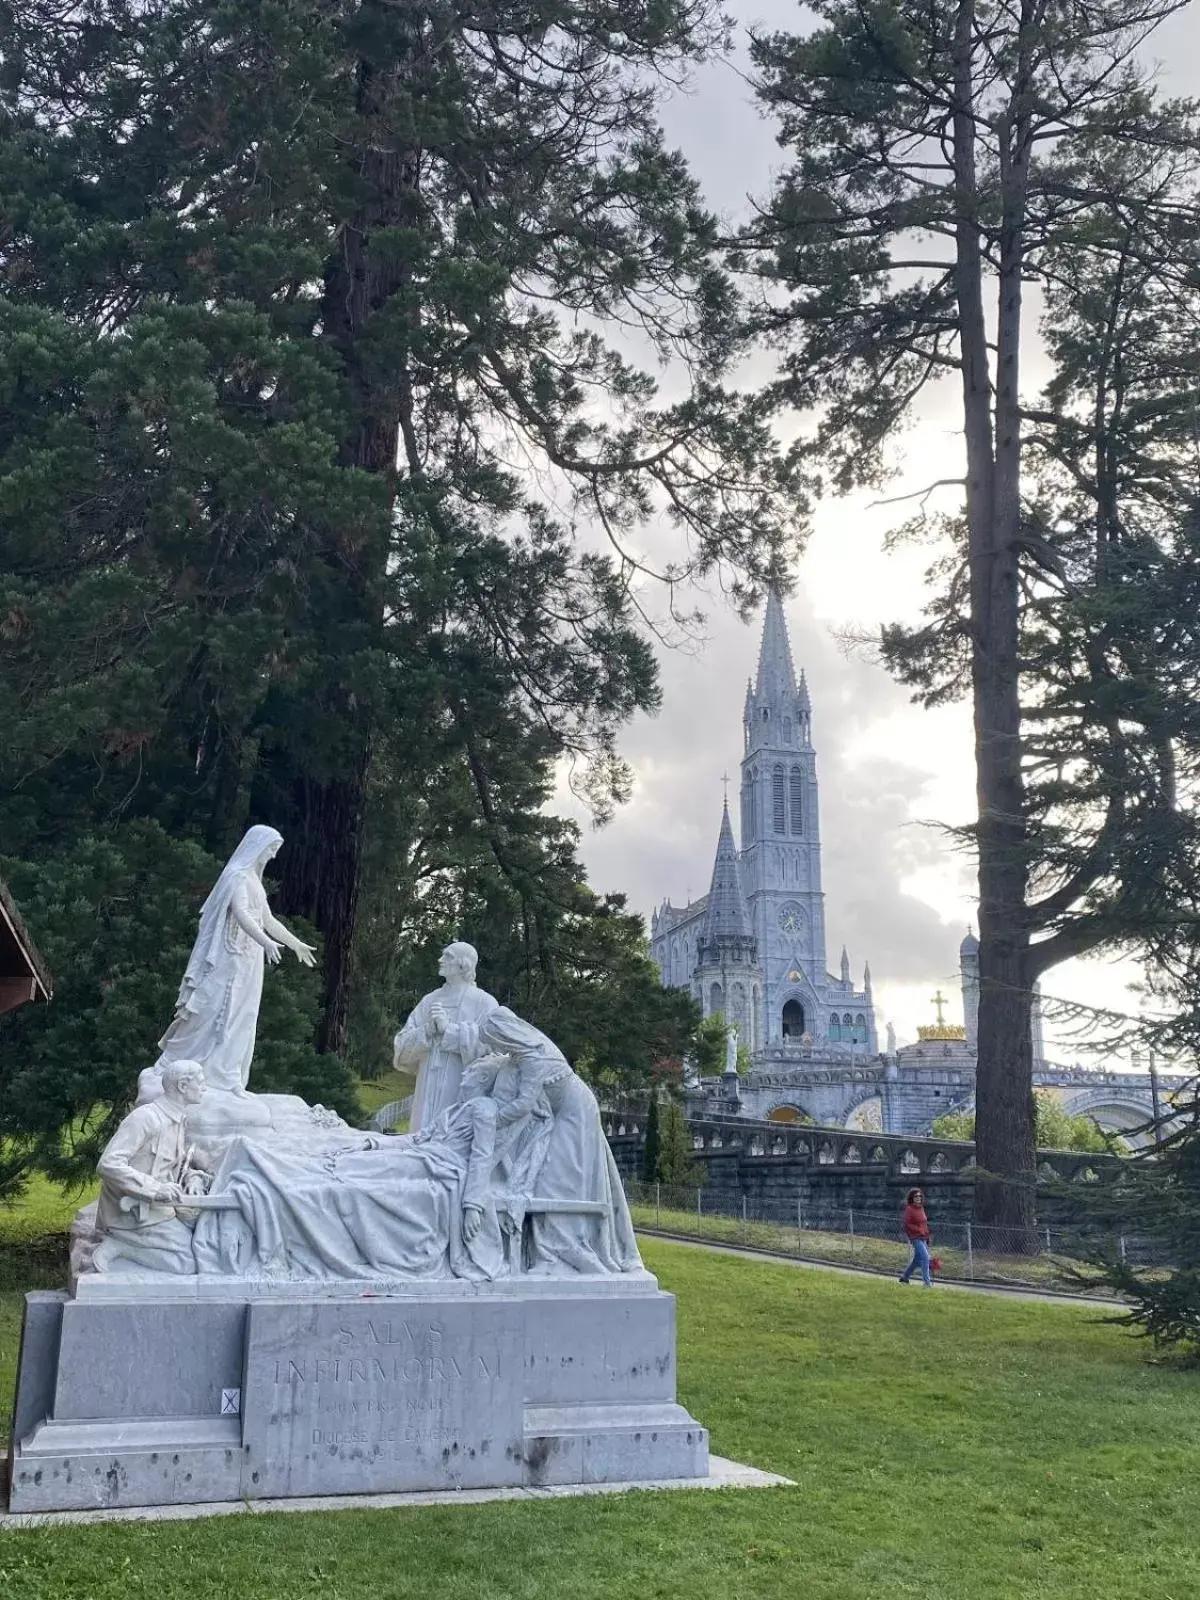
(459, 960)
(258, 845)
(503, 1030)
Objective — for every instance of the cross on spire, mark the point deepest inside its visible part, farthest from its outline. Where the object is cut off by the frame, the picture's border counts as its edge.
(725, 781)
(939, 1001)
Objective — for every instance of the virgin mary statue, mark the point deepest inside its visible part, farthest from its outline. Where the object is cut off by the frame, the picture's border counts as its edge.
(216, 1015)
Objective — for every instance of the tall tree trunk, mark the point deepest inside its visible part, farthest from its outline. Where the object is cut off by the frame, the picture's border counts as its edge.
(1004, 1121)
(322, 865)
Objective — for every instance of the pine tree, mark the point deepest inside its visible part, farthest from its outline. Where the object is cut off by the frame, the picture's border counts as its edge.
(1141, 1235)
(944, 158)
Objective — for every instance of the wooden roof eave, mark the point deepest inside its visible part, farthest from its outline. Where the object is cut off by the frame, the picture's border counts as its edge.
(34, 971)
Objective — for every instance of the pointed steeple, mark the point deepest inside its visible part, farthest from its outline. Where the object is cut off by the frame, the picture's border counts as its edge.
(776, 675)
(778, 713)
(867, 978)
(845, 966)
(726, 920)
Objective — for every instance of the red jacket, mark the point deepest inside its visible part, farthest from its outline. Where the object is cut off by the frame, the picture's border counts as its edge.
(916, 1223)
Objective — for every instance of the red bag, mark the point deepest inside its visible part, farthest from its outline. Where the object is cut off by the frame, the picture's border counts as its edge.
(935, 1263)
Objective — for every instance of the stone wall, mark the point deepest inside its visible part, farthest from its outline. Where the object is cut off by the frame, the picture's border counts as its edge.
(782, 1173)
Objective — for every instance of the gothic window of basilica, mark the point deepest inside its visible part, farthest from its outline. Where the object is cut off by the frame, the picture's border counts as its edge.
(777, 801)
(796, 793)
(716, 1000)
(787, 730)
(835, 1028)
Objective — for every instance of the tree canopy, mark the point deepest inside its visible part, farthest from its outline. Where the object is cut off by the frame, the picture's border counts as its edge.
(330, 451)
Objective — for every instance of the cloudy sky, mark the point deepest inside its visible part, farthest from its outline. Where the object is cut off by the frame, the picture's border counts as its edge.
(897, 892)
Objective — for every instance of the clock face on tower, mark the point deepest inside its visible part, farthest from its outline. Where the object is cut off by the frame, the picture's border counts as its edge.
(791, 917)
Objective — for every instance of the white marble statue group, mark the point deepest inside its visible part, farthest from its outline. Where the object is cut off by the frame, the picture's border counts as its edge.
(506, 1171)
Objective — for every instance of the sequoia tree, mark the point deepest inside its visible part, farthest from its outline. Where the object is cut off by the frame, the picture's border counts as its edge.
(942, 159)
(310, 400)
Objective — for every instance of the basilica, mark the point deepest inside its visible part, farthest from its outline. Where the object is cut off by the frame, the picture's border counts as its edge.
(753, 948)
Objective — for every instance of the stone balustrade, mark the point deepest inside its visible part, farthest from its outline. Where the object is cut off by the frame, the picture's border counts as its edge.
(894, 1155)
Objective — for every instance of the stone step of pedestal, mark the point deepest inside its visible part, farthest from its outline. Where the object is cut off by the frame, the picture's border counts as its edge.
(131, 1433)
(611, 1443)
(131, 1462)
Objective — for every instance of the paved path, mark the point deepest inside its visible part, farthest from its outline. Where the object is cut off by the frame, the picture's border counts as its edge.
(957, 1284)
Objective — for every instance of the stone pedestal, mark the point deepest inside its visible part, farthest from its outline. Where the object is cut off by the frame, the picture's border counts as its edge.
(132, 1395)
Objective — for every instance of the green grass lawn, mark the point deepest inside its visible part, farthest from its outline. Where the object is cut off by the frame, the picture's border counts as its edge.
(863, 1250)
(944, 1446)
(376, 1092)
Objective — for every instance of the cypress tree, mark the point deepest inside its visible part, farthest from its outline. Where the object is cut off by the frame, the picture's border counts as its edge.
(650, 1152)
(675, 1163)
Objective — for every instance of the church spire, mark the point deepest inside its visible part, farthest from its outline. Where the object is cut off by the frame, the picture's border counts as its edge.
(776, 674)
(726, 920)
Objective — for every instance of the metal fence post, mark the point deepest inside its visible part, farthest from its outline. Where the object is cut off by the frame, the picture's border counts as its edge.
(1048, 1245)
(745, 1229)
(1121, 1247)
(658, 1204)
(970, 1253)
(698, 1204)
(851, 1210)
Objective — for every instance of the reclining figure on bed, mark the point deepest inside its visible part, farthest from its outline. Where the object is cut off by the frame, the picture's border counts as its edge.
(514, 1178)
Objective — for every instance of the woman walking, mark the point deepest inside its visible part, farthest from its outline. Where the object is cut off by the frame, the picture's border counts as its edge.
(916, 1229)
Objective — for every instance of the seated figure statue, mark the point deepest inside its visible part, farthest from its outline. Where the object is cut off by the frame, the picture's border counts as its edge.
(147, 1172)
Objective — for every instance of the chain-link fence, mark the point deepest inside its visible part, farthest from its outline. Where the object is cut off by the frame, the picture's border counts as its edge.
(1047, 1257)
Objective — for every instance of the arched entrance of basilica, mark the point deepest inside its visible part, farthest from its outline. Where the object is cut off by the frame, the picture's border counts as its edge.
(793, 1020)
(791, 1114)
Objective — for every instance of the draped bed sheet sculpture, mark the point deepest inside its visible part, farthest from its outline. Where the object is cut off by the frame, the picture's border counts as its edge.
(508, 1174)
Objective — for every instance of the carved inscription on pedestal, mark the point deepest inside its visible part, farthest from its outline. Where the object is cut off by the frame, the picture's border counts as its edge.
(344, 1398)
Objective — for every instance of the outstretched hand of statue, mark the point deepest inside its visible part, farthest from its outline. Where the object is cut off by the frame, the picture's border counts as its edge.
(306, 954)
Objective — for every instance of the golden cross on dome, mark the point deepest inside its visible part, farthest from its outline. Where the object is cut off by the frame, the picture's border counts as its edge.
(939, 1001)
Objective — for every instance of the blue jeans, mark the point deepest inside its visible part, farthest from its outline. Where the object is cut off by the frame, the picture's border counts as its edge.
(920, 1258)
